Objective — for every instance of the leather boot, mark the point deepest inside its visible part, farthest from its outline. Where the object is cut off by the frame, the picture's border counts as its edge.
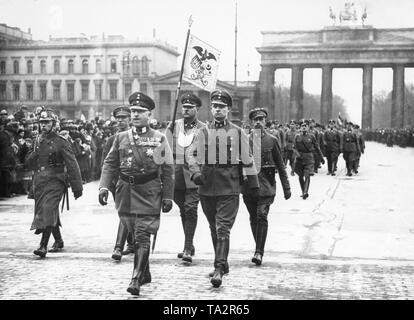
(42, 250)
(147, 275)
(302, 183)
(120, 241)
(306, 188)
(140, 264)
(222, 250)
(58, 245)
(130, 245)
(260, 244)
(192, 253)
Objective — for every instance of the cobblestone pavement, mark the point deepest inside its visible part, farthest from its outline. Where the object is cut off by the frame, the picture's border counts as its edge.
(353, 238)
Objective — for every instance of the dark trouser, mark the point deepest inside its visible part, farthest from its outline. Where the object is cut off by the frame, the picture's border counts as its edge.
(332, 159)
(349, 158)
(258, 212)
(221, 212)
(187, 201)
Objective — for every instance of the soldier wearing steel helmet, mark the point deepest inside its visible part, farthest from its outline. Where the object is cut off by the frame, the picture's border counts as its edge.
(53, 163)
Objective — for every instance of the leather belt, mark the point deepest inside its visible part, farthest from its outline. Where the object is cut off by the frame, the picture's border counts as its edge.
(139, 179)
(51, 169)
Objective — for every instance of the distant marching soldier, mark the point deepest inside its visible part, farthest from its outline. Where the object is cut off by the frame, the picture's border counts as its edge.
(53, 162)
(218, 170)
(290, 155)
(142, 159)
(186, 191)
(351, 148)
(317, 157)
(333, 146)
(122, 114)
(306, 144)
(270, 160)
(361, 142)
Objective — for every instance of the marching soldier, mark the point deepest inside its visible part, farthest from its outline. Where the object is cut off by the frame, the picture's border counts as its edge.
(185, 190)
(53, 163)
(270, 159)
(361, 142)
(316, 155)
(142, 159)
(333, 146)
(221, 157)
(290, 155)
(350, 149)
(306, 144)
(123, 116)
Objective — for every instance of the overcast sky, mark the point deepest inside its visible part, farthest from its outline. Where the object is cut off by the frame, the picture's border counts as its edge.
(214, 22)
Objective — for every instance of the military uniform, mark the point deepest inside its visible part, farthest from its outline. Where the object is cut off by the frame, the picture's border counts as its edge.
(142, 159)
(290, 155)
(361, 142)
(333, 147)
(185, 190)
(258, 207)
(350, 150)
(122, 235)
(54, 164)
(306, 145)
(218, 170)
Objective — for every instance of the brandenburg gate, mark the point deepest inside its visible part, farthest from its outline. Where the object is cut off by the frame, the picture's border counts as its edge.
(336, 47)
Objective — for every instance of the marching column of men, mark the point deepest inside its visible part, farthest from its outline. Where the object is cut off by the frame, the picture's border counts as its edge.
(193, 163)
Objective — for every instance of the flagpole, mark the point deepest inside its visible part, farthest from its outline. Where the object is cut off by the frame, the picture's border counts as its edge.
(190, 22)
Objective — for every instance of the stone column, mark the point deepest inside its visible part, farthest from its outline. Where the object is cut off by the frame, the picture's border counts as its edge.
(266, 88)
(296, 93)
(326, 94)
(367, 97)
(397, 109)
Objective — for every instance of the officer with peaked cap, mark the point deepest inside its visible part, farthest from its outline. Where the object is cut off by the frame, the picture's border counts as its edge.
(217, 164)
(123, 116)
(53, 162)
(186, 191)
(143, 161)
(333, 146)
(267, 160)
(305, 144)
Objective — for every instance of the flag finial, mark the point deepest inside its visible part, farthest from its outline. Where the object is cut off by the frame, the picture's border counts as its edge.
(190, 21)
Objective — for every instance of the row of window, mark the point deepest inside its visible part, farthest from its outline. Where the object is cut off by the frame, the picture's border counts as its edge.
(138, 66)
(70, 91)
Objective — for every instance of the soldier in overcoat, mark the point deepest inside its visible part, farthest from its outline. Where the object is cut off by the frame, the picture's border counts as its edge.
(221, 160)
(268, 159)
(333, 146)
(142, 161)
(54, 165)
(351, 148)
(306, 144)
(185, 190)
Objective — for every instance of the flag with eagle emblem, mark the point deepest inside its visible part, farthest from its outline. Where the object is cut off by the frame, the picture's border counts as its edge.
(201, 64)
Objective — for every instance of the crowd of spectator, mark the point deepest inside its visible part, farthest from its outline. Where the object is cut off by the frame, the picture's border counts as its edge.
(389, 136)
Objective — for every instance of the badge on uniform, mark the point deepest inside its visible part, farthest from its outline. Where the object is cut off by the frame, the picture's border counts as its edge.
(149, 152)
